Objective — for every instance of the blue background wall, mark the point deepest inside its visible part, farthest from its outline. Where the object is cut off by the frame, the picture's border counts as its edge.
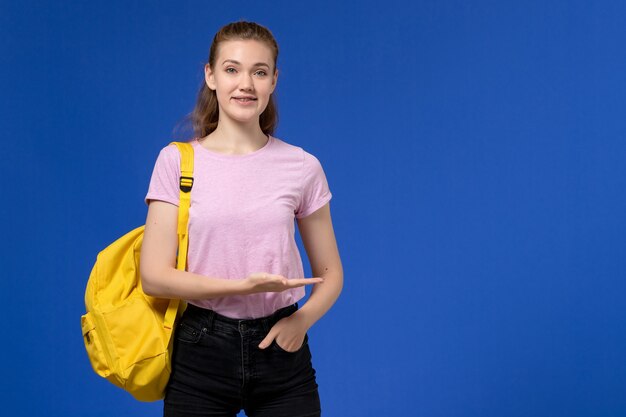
(476, 152)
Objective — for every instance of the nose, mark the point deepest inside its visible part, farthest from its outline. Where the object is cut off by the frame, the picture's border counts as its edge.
(245, 83)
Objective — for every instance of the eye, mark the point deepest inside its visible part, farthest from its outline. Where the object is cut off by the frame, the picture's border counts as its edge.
(260, 72)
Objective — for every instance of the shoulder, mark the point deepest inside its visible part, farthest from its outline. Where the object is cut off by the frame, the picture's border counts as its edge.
(296, 152)
(170, 154)
(167, 151)
(286, 148)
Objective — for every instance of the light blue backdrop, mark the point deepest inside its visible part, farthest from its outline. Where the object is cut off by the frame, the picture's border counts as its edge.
(475, 150)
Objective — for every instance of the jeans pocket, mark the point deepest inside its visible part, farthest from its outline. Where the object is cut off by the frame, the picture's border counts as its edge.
(277, 347)
(187, 333)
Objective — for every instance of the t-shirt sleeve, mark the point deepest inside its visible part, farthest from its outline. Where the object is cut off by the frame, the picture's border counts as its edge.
(164, 183)
(315, 191)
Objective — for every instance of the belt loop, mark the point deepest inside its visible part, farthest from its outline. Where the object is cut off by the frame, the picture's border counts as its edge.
(210, 319)
(266, 325)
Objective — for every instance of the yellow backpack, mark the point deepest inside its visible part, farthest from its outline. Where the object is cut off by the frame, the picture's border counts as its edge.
(127, 333)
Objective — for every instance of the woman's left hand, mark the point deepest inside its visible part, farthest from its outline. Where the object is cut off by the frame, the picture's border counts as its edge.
(289, 333)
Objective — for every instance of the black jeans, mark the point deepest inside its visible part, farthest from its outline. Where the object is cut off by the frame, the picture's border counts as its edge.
(218, 369)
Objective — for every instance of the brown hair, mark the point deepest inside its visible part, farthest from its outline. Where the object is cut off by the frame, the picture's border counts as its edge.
(205, 115)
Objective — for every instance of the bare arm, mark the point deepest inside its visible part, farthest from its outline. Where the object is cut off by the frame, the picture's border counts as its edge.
(319, 241)
(160, 278)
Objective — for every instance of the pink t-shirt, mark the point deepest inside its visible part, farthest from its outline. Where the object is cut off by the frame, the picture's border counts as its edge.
(241, 218)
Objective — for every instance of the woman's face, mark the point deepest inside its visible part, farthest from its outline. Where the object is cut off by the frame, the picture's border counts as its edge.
(242, 69)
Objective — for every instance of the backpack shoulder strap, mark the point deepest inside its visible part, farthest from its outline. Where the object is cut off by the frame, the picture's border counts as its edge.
(186, 184)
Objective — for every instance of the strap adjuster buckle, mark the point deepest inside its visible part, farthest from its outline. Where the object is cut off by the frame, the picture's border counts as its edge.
(186, 183)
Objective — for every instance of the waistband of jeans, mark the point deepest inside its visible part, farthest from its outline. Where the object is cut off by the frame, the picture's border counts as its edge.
(264, 322)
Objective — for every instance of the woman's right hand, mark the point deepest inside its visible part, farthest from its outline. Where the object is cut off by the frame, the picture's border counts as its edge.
(264, 282)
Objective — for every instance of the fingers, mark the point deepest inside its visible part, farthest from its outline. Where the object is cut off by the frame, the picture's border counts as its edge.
(299, 282)
(267, 340)
(265, 282)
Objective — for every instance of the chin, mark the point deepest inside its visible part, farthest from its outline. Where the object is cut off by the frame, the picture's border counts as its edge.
(244, 119)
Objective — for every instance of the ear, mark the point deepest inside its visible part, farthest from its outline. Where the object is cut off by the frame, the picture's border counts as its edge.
(274, 80)
(209, 77)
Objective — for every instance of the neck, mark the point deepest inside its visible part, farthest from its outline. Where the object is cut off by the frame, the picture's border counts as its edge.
(237, 137)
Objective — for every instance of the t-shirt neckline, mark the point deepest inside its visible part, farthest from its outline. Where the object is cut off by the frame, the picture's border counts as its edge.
(233, 157)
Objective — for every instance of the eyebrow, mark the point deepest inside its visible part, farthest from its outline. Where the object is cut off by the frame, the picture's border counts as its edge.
(258, 64)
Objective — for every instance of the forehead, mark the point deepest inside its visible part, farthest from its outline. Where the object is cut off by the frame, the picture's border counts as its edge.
(245, 51)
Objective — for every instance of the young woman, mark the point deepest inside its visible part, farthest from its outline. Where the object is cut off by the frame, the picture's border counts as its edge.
(242, 342)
